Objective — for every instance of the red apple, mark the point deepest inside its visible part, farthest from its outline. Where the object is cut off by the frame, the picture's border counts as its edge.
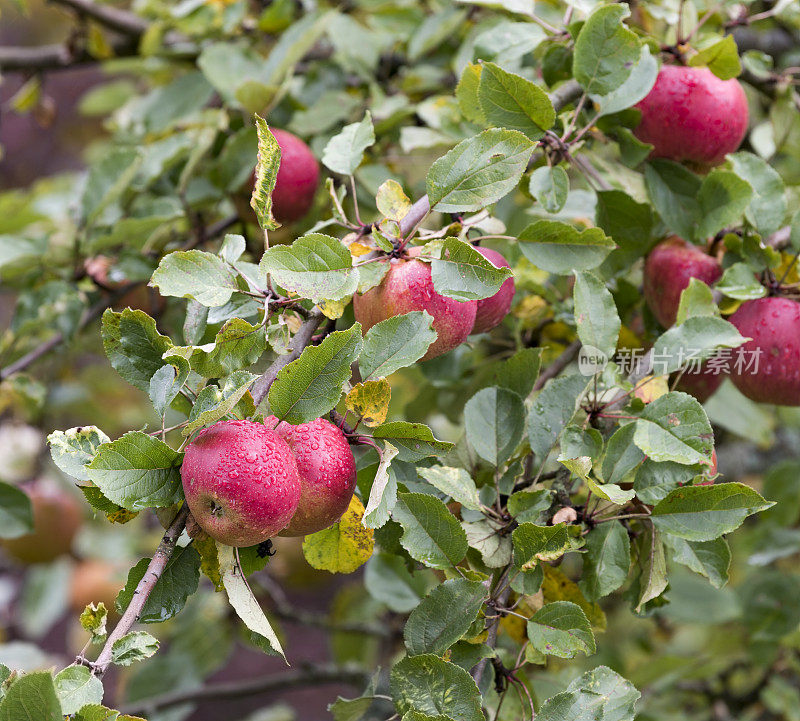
(407, 287)
(57, 516)
(692, 115)
(296, 184)
(491, 311)
(241, 482)
(767, 368)
(327, 473)
(667, 272)
(702, 384)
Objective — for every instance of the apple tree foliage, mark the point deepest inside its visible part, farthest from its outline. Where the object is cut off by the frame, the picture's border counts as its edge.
(572, 492)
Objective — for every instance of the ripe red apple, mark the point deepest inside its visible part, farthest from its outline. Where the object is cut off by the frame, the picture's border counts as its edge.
(491, 311)
(768, 367)
(327, 473)
(407, 287)
(295, 186)
(702, 385)
(692, 115)
(57, 517)
(667, 272)
(241, 482)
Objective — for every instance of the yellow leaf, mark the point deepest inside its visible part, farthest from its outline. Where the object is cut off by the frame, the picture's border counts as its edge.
(789, 268)
(370, 400)
(343, 547)
(333, 309)
(650, 388)
(531, 310)
(358, 249)
(558, 587)
(391, 201)
(97, 44)
(121, 515)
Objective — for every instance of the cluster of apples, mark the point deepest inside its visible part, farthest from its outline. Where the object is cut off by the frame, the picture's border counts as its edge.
(246, 482)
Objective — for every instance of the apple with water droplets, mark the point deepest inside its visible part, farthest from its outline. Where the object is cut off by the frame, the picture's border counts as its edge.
(668, 270)
(327, 473)
(491, 311)
(241, 482)
(407, 287)
(692, 115)
(767, 367)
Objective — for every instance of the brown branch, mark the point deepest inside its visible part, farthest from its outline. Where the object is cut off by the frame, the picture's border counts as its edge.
(300, 340)
(309, 676)
(557, 365)
(154, 570)
(121, 21)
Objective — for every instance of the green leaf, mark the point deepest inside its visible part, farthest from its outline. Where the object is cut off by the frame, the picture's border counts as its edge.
(629, 223)
(453, 482)
(600, 694)
(395, 343)
(697, 300)
(312, 385)
(467, 93)
(519, 373)
(533, 544)
(108, 179)
(654, 481)
(561, 629)
(429, 685)
(388, 580)
(552, 410)
(165, 385)
(723, 197)
(484, 537)
(621, 457)
(674, 192)
(721, 58)
(478, 171)
(431, 534)
(267, 166)
(169, 595)
(434, 30)
(31, 697)
(651, 580)
(195, 274)
(214, 403)
(414, 441)
(495, 420)
(693, 340)
(463, 273)
(345, 151)
(605, 50)
(315, 266)
(561, 248)
(132, 647)
(703, 513)
(513, 102)
(708, 558)
(595, 314)
(739, 282)
(444, 616)
(550, 186)
(675, 428)
(242, 600)
(237, 345)
(137, 471)
(16, 512)
(768, 205)
(635, 88)
(383, 494)
(526, 506)
(133, 345)
(76, 687)
(606, 560)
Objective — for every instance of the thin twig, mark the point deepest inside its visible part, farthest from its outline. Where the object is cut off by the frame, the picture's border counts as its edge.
(151, 576)
(252, 687)
(121, 21)
(558, 365)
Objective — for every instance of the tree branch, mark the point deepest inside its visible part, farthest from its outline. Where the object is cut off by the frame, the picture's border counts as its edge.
(154, 570)
(557, 365)
(301, 339)
(121, 21)
(237, 689)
